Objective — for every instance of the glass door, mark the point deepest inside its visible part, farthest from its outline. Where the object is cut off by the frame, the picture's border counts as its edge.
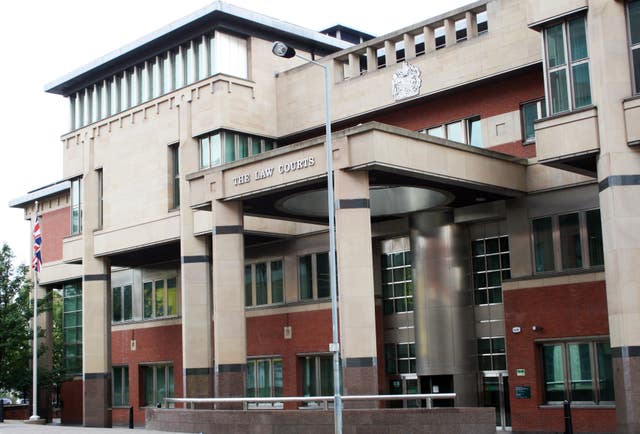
(495, 393)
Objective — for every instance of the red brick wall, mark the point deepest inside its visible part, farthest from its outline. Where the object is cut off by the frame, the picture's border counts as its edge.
(485, 100)
(563, 311)
(156, 344)
(55, 227)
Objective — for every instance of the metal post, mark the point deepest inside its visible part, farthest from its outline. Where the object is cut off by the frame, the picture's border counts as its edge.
(568, 423)
(35, 416)
(1, 410)
(130, 417)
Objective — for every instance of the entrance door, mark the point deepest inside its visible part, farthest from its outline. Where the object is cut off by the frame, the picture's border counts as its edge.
(495, 393)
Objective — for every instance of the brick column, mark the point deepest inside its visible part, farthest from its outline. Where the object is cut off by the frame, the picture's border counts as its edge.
(619, 182)
(355, 284)
(227, 252)
(96, 308)
(197, 345)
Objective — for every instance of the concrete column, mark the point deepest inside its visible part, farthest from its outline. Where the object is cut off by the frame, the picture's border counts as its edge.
(354, 65)
(96, 308)
(429, 40)
(449, 32)
(409, 46)
(618, 175)
(389, 53)
(472, 24)
(355, 284)
(230, 336)
(197, 345)
(372, 59)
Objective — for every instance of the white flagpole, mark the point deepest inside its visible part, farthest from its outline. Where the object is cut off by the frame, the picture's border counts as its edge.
(35, 416)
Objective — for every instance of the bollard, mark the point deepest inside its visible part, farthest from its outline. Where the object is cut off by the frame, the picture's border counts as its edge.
(1, 410)
(568, 423)
(131, 417)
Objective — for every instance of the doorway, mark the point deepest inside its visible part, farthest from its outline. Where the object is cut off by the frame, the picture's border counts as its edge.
(495, 393)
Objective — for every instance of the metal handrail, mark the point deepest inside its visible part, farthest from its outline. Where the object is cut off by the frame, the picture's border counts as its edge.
(429, 397)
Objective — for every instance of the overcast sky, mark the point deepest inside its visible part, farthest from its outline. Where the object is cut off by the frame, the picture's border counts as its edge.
(42, 40)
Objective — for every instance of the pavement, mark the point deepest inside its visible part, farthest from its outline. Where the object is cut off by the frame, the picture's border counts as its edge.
(19, 427)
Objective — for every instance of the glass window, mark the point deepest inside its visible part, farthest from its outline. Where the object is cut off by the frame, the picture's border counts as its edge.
(160, 298)
(203, 60)
(594, 236)
(474, 130)
(570, 372)
(158, 383)
(191, 63)
(317, 375)
(264, 378)
(120, 386)
(72, 327)
(179, 68)
(490, 266)
(167, 73)
(229, 147)
(305, 277)
(76, 207)
(265, 279)
(230, 55)
(243, 146)
(455, 132)
(172, 297)
(570, 246)
(567, 60)
(322, 271)
(397, 283)
(633, 17)
(122, 303)
(543, 244)
(531, 112)
(174, 156)
(436, 132)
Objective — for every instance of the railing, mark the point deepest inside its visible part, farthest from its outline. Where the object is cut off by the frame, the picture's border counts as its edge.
(429, 397)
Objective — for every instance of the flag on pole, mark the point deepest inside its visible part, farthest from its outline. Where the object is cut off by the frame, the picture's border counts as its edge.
(37, 243)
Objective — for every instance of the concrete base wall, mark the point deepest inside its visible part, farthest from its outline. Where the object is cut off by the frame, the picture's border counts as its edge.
(387, 421)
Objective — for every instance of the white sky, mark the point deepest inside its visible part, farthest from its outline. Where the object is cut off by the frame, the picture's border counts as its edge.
(41, 40)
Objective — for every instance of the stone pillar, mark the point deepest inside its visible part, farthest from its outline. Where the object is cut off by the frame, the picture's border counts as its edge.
(355, 284)
(197, 346)
(372, 59)
(96, 307)
(472, 24)
(429, 40)
(409, 46)
(449, 32)
(619, 182)
(230, 336)
(389, 53)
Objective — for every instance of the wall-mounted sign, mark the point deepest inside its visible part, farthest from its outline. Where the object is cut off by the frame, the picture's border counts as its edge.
(406, 82)
(523, 392)
(520, 372)
(283, 168)
(516, 329)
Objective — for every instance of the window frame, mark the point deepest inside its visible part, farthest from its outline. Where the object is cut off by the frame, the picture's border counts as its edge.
(72, 364)
(466, 127)
(121, 373)
(121, 289)
(174, 176)
(389, 298)
(585, 246)
(595, 369)
(541, 113)
(314, 277)
(165, 297)
(635, 84)
(252, 265)
(169, 374)
(503, 270)
(76, 185)
(317, 357)
(568, 65)
(265, 144)
(394, 359)
(253, 365)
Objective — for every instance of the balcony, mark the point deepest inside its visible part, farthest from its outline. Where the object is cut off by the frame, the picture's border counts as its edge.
(569, 141)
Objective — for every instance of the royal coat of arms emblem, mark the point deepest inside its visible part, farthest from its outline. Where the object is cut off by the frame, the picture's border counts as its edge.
(406, 82)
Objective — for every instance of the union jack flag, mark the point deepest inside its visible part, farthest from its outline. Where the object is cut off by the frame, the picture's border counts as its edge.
(37, 243)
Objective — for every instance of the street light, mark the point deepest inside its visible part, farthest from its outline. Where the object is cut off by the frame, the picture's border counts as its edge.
(281, 49)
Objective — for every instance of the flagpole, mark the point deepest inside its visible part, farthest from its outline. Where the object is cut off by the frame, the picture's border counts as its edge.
(35, 416)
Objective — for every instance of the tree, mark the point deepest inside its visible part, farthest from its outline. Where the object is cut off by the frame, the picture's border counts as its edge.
(15, 331)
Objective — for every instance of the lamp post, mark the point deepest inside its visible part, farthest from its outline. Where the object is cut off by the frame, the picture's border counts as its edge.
(281, 49)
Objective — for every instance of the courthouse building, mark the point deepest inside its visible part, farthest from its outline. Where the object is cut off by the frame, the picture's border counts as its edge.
(487, 186)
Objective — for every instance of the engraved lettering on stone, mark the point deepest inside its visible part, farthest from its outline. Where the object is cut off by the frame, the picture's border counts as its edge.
(406, 82)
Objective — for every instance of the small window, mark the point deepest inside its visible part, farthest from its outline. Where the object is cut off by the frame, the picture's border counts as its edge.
(492, 354)
(461, 30)
(543, 244)
(157, 384)
(438, 34)
(264, 378)
(578, 371)
(313, 276)
(174, 175)
(400, 358)
(397, 283)
(491, 265)
(633, 22)
(468, 131)
(530, 112)
(317, 375)
(160, 298)
(122, 303)
(76, 207)
(264, 283)
(120, 386)
(482, 23)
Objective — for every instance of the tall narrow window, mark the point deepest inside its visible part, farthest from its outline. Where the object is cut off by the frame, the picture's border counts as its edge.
(567, 61)
(174, 156)
(570, 245)
(491, 265)
(72, 327)
(531, 112)
(76, 207)
(120, 386)
(543, 244)
(633, 17)
(122, 303)
(397, 283)
(100, 175)
(160, 298)
(264, 378)
(594, 236)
